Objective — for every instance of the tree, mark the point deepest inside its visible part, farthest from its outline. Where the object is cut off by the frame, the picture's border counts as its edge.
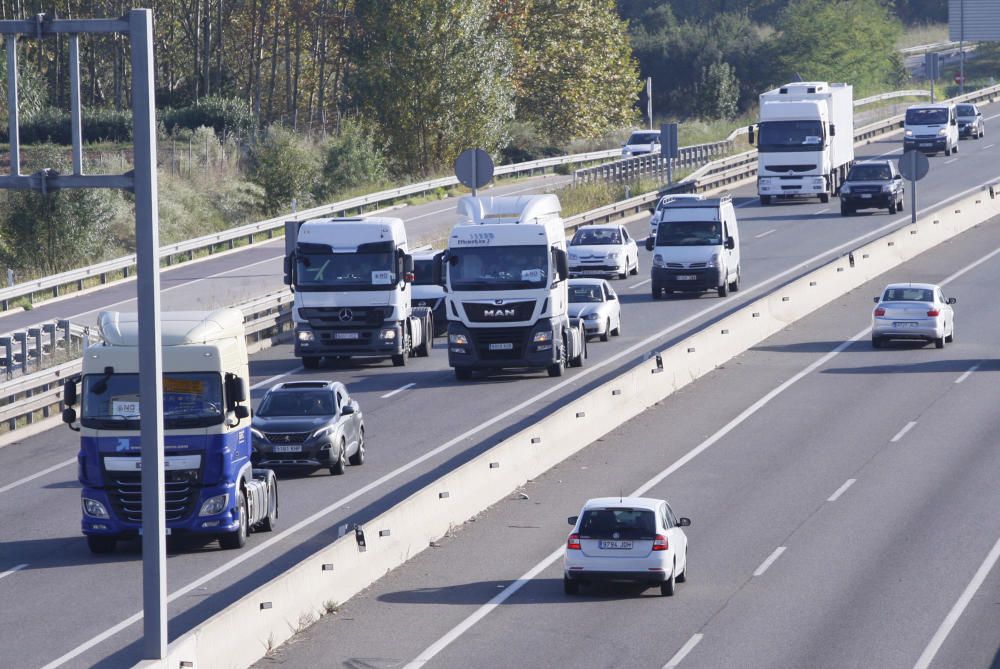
(432, 75)
(352, 158)
(719, 92)
(285, 168)
(575, 74)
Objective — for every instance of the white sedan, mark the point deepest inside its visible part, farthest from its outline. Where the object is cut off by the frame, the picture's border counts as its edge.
(603, 250)
(914, 311)
(596, 305)
(635, 539)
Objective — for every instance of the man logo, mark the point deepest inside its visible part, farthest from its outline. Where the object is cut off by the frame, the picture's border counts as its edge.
(346, 315)
(497, 301)
(499, 313)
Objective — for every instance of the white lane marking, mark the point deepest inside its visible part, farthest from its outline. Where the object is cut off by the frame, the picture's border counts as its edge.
(641, 283)
(509, 591)
(13, 570)
(267, 382)
(948, 162)
(956, 611)
(683, 652)
(769, 561)
(902, 433)
(765, 234)
(398, 390)
(48, 470)
(988, 146)
(820, 211)
(841, 490)
(246, 554)
(967, 373)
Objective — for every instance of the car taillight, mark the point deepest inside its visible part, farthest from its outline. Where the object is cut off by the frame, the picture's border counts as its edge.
(934, 312)
(573, 543)
(660, 543)
(880, 312)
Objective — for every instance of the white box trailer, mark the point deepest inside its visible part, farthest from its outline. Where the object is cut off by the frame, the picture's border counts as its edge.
(805, 140)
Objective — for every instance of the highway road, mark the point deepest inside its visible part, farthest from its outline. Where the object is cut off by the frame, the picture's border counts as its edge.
(843, 504)
(420, 423)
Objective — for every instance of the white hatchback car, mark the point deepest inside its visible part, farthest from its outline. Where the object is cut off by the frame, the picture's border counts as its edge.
(913, 311)
(635, 539)
(595, 303)
(603, 250)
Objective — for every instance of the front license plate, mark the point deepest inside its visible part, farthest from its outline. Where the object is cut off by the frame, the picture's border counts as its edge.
(867, 196)
(503, 346)
(288, 448)
(904, 324)
(345, 335)
(619, 545)
(926, 144)
(686, 277)
(167, 532)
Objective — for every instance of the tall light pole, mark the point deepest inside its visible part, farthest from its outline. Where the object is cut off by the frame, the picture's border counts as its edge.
(961, 47)
(649, 100)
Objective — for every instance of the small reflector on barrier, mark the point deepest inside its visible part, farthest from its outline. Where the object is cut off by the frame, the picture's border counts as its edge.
(958, 211)
(755, 314)
(913, 232)
(328, 567)
(536, 440)
(384, 533)
(444, 495)
(265, 605)
(616, 391)
(935, 222)
(785, 299)
(891, 243)
(691, 349)
(812, 283)
(186, 664)
(840, 269)
(581, 414)
(494, 465)
(725, 331)
(864, 255)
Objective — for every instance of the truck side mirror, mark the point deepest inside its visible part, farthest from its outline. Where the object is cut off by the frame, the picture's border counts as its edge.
(650, 243)
(235, 391)
(69, 417)
(562, 263)
(69, 394)
(954, 121)
(730, 243)
(833, 130)
(289, 266)
(408, 275)
(241, 411)
(437, 269)
(750, 135)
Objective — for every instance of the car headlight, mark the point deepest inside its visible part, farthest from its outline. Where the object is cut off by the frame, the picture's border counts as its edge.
(613, 255)
(214, 505)
(887, 188)
(845, 189)
(459, 339)
(94, 509)
(574, 256)
(591, 317)
(942, 132)
(657, 260)
(714, 260)
(908, 133)
(543, 336)
(322, 432)
(305, 335)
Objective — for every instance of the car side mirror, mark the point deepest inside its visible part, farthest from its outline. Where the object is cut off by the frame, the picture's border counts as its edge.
(730, 243)
(897, 177)
(572, 520)
(612, 296)
(346, 410)
(652, 211)
(650, 243)
(241, 411)
(876, 300)
(952, 300)
(683, 522)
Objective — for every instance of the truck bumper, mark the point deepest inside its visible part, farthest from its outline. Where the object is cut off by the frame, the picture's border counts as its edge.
(773, 186)
(189, 523)
(382, 341)
(664, 278)
(502, 348)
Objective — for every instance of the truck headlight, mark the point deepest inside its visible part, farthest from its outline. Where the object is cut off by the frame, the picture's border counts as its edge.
(908, 133)
(305, 335)
(942, 132)
(214, 505)
(543, 336)
(657, 260)
(388, 334)
(95, 509)
(459, 339)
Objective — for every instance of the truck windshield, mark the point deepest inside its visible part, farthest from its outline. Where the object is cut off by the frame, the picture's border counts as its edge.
(932, 116)
(190, 399)
(345, 271)
(688, 233)
(790, 136)
(498, 267)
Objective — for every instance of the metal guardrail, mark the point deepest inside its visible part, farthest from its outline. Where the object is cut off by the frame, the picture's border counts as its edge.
(34, 345)
(889, 96)
(925, 48)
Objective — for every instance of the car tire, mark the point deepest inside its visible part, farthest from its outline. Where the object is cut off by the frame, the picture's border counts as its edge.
(683, 576)
(723, 290)
(765, 200)
(358, 458)
(624, 275)
(947, 151)
(877, 342)
(635, 267)
(735, 284)
(845, 210)
(571, 587)
(607, 330)
(902, 201)
(669, 587)
(101, 545)
(238, 539)
(617, 332)
(270, 521)
(954, 149)
(340, 466)
(310, 361)
(939, 342)
(892, 207)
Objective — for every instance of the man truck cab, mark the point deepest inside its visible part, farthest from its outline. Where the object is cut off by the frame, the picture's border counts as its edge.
(931, 128)
(696, 248)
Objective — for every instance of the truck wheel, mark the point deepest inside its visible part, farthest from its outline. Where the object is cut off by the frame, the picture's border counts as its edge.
(824, 197)
(765, 200)
(578, 360)
(425, 349)
(237, 539)
(899, 205)
(463, 373)
(845, 210)
(557, 368)
(101, 545)
(607, 330)
(310, 361)
(271, 519)
(358, 458)
(340, 465)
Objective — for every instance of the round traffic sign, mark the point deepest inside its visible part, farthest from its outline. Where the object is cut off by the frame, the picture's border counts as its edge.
(474, 168)
(913, 165)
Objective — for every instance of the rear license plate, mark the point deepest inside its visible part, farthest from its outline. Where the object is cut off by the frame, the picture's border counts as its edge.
(503, 346)
(686, 277)
(288, 448)
(345, 335)
(866, 195)
(904, 324)
(614, 545)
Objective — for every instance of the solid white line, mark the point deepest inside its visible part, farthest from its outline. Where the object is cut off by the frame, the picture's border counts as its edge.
(641, 283)
(13, 570)
(968, 373)
(821, 211)
(765, 234)
(49, 470)
(948, 162)
(841, 490)
(769, 561)
(247, 554)
(902, 433)
(956, 611)
(988, 146)
(398, 390)
(267, 382)
(682, 653)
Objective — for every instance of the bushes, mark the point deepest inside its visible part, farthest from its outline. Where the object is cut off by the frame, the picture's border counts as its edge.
(287, 168)
(230, 116)
(352, 159)
(53, 125)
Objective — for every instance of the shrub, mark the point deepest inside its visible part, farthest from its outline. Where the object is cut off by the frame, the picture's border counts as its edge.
(351, 159)
(51, 125)
(224, 115)
(286, 167)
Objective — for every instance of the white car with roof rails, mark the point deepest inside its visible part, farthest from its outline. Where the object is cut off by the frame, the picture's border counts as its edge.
(913, 311)
(657, 211)
(603, 250)
(641, 142)
(594, 303)
(629, 539)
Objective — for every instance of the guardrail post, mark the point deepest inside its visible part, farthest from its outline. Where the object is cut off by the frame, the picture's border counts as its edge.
(8, 355)
(50, 330)
(36, 335)
(63, 324)
(22, 341)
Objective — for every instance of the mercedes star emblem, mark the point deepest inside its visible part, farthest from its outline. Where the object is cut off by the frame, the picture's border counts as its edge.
(346, 315)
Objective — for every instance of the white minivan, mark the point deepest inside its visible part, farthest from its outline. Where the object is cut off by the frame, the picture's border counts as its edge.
(931, 128)
(696, 248)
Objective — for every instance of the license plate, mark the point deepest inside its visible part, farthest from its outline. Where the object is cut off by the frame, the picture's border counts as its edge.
(503, 346)
(288, 448)
(904, 325)
(614, 545)
(686, 277)
(926, 144)
(345, 335)
(167, 532)
(867, 196)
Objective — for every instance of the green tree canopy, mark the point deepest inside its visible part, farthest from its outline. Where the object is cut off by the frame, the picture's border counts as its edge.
(285, 168)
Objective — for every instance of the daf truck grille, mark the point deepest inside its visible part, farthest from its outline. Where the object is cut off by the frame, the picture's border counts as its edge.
(478, 312)
(180, 488)
(491, 344)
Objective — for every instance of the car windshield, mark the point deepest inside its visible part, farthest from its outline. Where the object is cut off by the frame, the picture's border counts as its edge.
(423, 272)
(618, 524)
(586, 294)
(966, 110)
(869, 173)
(285, 403)
(688, 233)
(643, 138)
(190, 399)
(498, 267)
(370, 267)
(908, 295)
(596, 237)
(925, 116)
(790, 136)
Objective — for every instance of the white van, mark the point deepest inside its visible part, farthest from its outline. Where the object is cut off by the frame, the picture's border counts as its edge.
(657, 211)
(641, 142)
(696, 248)
(931, 128)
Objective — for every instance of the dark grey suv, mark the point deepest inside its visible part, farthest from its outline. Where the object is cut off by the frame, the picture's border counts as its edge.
(308, 424)
(872, 184)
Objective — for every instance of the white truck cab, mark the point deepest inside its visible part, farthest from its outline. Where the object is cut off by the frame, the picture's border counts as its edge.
(931, 128)
(696, 248)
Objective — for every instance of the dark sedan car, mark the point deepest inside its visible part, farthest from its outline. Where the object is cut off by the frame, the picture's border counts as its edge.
(308, 424)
